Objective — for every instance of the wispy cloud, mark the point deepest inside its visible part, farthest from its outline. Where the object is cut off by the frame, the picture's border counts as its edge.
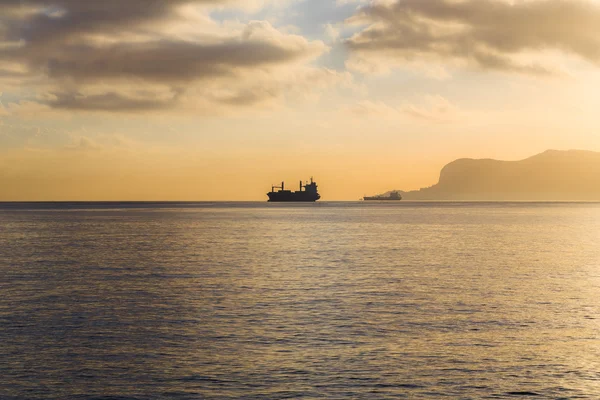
(431, 108)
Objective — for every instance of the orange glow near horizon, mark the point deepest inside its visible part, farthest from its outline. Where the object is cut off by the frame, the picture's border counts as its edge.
(221, 100)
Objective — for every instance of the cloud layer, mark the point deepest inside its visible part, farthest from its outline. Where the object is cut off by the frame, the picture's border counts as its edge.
(141, 54)
(487, 34)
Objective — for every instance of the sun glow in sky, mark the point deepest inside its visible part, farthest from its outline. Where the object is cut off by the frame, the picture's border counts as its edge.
(217, 100)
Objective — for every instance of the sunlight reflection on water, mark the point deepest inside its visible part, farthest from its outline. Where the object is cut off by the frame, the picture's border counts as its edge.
(325, 301)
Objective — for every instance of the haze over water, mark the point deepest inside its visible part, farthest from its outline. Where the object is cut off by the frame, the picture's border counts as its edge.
(329, 300)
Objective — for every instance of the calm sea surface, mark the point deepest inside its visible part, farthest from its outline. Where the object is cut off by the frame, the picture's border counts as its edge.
(328, 300)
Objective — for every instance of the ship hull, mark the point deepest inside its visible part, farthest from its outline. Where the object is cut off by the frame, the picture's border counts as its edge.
(278, 197)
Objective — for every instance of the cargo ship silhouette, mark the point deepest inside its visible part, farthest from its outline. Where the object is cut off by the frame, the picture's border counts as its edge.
(393, 196)
(309, 194)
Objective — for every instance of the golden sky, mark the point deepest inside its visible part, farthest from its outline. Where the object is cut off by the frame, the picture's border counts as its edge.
(218, 99)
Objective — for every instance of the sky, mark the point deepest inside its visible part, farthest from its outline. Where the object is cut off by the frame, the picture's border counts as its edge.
(200, 100)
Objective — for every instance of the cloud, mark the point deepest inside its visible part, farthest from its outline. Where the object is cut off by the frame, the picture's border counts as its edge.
(434, 108)
(84, 143)
(431, 108)
(170, 61)
(340, 3)
(485, 34)
(368, 109)
(332, 32)
(43, 21)
(87, 55)
(3, 110)
(110, 101)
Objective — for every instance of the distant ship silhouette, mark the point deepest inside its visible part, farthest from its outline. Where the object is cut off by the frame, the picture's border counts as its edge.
(309, 194)
(392, 196)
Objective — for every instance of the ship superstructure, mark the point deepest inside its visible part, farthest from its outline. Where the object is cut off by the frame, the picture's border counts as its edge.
(308, 193)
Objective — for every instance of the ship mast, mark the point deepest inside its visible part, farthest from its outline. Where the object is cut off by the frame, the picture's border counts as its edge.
(282, 187)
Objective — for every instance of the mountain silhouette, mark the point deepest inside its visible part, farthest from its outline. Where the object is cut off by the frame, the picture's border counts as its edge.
(549, 176)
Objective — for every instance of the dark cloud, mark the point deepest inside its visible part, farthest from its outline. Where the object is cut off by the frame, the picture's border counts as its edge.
(485, 33)
(111, 101)
(44, 20)
(80, 43)
(161, 61)
(250, 97)
(10, 73)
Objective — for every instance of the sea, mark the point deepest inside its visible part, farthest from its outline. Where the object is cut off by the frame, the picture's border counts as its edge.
(330, 300)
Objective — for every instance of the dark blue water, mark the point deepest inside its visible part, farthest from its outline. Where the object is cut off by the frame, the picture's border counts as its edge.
(329, 300)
